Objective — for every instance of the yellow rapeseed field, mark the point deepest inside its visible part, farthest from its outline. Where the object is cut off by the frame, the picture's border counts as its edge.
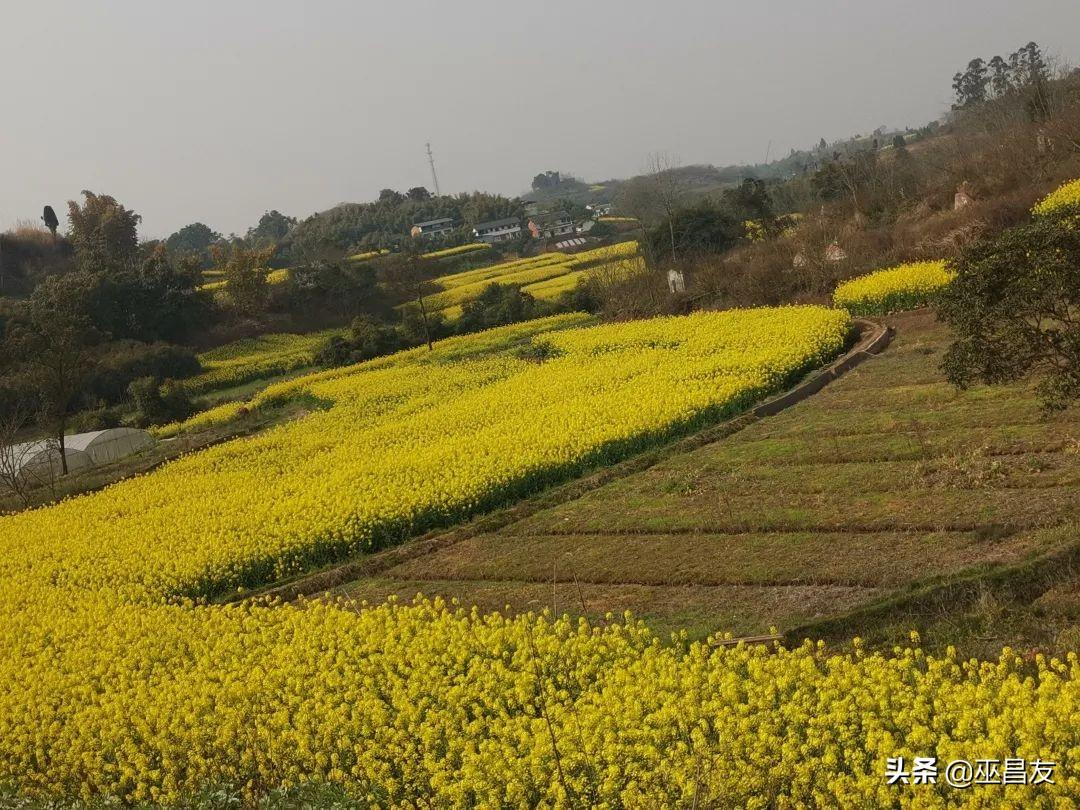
(1061, 199)
(446, 253)
(121, 679)
(256, 358)
(540, 275)
(894, 289)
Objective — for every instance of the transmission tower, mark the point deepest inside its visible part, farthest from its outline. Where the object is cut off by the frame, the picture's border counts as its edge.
(434, 177)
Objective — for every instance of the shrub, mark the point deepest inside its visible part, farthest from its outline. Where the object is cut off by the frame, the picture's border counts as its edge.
(1013, 306)
(126, 362)
(497, 305)
(160, 404)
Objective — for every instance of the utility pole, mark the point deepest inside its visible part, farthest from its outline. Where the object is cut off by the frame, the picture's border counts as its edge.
(434, 177)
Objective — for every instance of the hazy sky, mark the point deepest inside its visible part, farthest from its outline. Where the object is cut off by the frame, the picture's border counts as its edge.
(217, 111)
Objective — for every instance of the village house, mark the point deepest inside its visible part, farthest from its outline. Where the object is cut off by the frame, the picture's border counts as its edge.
(433, 228)
(599, 209)
(498, 230)
(550, 223)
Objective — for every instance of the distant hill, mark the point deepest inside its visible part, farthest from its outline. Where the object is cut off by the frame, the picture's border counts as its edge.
(704, 179)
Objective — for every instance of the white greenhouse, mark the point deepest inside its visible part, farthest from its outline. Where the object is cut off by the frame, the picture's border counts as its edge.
(41, 459)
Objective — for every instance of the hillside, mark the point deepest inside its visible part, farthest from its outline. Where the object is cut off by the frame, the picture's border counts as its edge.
(887, 481)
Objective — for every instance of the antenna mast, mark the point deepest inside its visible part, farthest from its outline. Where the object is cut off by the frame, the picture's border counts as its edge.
(434, 177)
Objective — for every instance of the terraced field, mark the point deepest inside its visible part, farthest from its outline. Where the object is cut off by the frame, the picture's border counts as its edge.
(885, 482)
(545, 277)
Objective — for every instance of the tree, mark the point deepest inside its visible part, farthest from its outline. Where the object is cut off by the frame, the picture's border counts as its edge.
(1000, 77)
(194, 240)
(158, 404)
(245, 274)
(391, 197)
(418, 194)
(103, 233)
(669, 189)
(367, 338)
(409, 274)
(548, 179)
(970, 85)
(165, 303)
(54, 340)
(899, 141)
(497, 305)
(335, 287)
(1028, 66)
(48, 216)
(419, 326)
(1014, 308)
(701, 228)
(828, 182)
(273, 226)
(750, 200)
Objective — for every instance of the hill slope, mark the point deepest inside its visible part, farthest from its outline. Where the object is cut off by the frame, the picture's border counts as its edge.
(886, 480)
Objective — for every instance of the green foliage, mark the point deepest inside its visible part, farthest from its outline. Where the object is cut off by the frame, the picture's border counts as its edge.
(1013, 307)
(55, 340)
(330, 291)
(159, 404)
(970, 84)
(417, 326)
(194, 240)
(705, 227)
(124, 362)
(497, 305)
(273, 227)
(548, 179)
(103, 233)
(367, 338)
(245, 273)
(357, 227)
(1025, 73)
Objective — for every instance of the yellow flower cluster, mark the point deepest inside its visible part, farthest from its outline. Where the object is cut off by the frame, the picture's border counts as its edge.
(427, 705)
(895, 289)
(1061, 199)
(753, 230)
(116, 684)
(457, 251)
(255, 358)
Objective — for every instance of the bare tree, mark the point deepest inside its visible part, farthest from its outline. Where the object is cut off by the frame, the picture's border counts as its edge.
(13, 456)
(669, 188)
(18, 478)
(409, 273)
(653, 198)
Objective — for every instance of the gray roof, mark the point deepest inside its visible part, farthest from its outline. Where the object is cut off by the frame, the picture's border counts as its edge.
(549, 217)
(492, 224)
(433, 222)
